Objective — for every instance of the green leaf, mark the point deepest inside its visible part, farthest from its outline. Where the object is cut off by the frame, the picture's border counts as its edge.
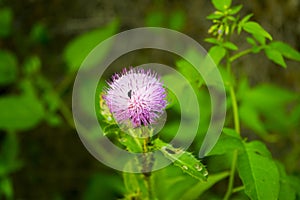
(221, 4)
(32, 65)
(171, 183)
(52, 100)
(258, 172)
(39, 33)
(235, 9)
(172, 100)
(255, 29)
(188, 70)
(295, 115)
(155, 19)
(197, 190)
(6, 188)
(213, 29)
(287, 192)
(9, 154)
(177, 20)
(286, 50)
(243, 21)
(169, 130)
(212, 41)
(231, 132)
(134, 183)
(215, 15)
(130, 144)
(264, 107)
(260, 38)
(53, 119)
(111, 129)
(8, 68)
(130, 139)
(294, 181)
(183, 159)
(228, 142)
(9, 148)
(251, 41)
(275, 56)
(217, 53)
(79, 48)
(230, 46)
(103, 186)
(27, 110)
(246, 18)
(6, 18)
(262, 97)
(231, 18)
(250, 117)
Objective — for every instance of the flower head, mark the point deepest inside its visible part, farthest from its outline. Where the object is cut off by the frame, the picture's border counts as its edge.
(136, 95)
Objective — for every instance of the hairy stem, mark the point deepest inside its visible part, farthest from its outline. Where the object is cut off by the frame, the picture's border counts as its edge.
(147, 166)
(147, 158)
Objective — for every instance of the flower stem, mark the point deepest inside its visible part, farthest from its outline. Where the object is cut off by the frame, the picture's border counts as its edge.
(231, 176)
(236, 123)
(147, 165)
(147, 158)
(240, 54)
(66, 113)
(237, 189)
(235, 110)
(235, 153)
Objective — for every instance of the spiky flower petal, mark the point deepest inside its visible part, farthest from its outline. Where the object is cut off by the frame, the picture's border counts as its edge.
(136, 95)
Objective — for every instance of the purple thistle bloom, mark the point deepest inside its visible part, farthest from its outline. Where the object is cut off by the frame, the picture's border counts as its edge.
(136, 95)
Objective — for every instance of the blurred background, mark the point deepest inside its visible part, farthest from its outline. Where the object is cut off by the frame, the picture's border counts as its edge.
(42, 44)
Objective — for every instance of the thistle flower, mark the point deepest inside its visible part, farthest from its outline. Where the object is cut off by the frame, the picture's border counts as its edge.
(136, 96)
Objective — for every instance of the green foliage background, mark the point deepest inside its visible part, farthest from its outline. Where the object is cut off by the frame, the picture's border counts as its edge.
(42, 44)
